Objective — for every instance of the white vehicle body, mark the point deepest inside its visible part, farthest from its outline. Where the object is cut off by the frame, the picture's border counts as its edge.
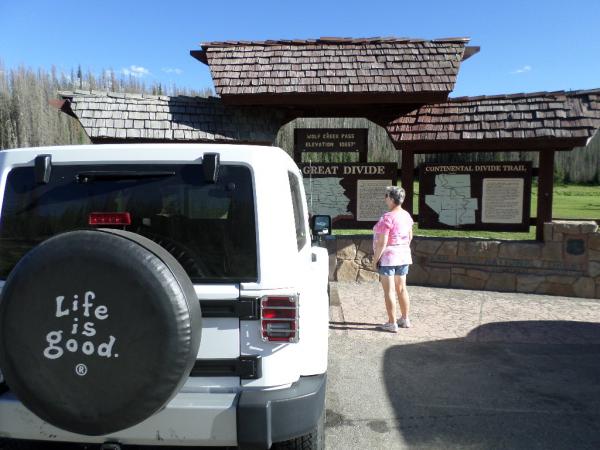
(206, 410)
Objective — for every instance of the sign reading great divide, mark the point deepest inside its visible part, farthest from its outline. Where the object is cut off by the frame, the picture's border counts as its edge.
(480, 196)
(351, 193)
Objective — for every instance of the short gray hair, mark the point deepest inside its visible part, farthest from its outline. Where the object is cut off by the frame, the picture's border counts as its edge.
(396, 193)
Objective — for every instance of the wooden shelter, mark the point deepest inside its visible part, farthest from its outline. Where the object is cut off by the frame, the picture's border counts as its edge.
(264, 84)
(544, 122)
(377, 78)
(400, 84)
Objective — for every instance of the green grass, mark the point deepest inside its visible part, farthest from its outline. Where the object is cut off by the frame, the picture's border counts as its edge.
(574, 202)
(569, 202)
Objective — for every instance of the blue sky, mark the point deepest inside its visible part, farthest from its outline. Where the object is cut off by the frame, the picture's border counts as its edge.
(525, 45)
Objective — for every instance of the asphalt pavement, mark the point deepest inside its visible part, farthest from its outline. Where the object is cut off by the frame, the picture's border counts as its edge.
(478, 370)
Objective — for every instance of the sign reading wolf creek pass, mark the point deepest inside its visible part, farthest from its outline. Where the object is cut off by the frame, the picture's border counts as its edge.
(479, 196)
(331, 139)
(349, 192)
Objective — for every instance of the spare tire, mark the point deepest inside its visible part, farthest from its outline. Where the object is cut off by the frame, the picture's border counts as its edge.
(99, 329)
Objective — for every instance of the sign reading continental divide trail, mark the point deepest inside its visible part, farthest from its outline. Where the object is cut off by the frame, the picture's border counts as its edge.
(481, 196)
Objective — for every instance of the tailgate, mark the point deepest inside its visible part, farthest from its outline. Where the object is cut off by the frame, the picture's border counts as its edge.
(217, 365)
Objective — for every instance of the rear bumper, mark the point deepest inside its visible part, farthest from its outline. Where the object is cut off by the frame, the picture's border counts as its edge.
(265, 417)
(189, 419)
(250, 419)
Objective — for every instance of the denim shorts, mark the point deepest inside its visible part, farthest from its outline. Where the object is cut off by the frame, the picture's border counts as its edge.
(390, 271)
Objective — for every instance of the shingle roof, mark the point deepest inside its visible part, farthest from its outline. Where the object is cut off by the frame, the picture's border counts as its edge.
(116, 116)
(515, 118)
(334, 66)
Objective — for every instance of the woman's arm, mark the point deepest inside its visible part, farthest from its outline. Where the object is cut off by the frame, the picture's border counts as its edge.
(380, 245)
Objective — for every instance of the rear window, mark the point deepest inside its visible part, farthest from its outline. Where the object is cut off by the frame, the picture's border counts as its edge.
(209, 228)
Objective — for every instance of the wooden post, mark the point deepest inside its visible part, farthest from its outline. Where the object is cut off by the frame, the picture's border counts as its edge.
(545, 187)
(363, 155)
(297, 149)
(407, 178)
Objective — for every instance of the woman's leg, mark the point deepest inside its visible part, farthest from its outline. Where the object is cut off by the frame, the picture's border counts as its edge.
(402, 293)
(388, 293)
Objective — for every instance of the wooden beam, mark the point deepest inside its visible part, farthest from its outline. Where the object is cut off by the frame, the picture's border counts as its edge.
(200, 55)
(348, 100)
(407, 177)
(64, 105)
(489, 145)
(470, 50)
(57, 103)
(297, 149)
(545, 187)
(107, 140)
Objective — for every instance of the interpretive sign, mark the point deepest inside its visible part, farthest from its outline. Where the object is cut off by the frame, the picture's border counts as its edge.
(480, 196)
(366, 192)
(353, 194)
(502, 200)
(331, 139)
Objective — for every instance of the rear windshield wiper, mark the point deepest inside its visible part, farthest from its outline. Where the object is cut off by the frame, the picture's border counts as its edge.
(113, 175)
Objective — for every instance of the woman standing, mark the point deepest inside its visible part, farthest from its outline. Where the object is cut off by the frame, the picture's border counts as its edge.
(391, 256)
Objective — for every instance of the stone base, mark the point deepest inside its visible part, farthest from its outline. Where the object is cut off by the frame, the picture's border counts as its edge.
(566, 264)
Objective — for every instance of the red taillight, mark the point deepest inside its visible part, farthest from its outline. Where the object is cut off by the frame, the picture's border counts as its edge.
(114, 218)
(279, 319)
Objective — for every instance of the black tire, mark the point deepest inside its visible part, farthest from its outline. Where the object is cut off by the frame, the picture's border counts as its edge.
(99, 329)
(184, 256)
(314, 440)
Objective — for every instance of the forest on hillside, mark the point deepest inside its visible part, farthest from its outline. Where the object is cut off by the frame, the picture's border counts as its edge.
(28, 120)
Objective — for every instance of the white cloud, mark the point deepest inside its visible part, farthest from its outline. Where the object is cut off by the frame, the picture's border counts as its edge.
(135, 71)
(174, 70)
(523, 69)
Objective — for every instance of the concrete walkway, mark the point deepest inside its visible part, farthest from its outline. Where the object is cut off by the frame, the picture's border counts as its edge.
(477, 370)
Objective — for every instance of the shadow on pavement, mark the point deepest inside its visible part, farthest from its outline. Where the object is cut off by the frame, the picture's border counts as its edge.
(354, 326)
(518, 385)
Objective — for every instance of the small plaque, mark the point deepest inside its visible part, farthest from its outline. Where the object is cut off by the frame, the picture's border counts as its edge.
(575, 247)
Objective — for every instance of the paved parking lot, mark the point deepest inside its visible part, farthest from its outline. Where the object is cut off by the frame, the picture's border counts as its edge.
(478, 370)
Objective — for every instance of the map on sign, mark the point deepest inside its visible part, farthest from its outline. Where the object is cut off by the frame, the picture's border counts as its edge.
(452, 200)
(326, 196)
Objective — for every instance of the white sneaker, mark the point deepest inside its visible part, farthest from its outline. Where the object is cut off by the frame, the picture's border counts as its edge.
(391, 327)
(404, 323)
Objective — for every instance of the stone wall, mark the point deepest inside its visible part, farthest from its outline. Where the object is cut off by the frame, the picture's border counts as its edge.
(567, 263)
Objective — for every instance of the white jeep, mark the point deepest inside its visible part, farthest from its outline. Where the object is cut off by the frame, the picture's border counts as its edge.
(160, 294)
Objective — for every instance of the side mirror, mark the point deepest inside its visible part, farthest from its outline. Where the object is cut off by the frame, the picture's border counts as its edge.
(320, 225)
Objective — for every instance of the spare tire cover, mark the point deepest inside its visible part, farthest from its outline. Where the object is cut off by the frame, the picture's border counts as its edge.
(98, 330)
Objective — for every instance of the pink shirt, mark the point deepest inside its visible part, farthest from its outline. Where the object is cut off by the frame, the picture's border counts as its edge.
(397, 226)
